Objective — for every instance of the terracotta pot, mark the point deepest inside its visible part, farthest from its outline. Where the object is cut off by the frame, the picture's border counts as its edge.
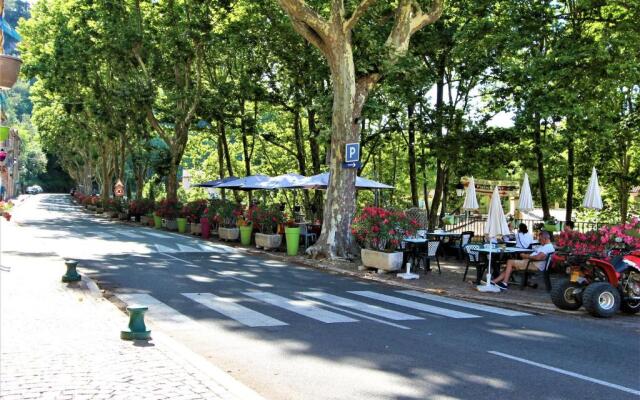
(9, 70)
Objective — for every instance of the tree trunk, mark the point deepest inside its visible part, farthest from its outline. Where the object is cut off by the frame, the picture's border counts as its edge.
(437, 195)
(340, 205)
(221, 163)
(302, 154)
(314, 132)
(537, 139)
(570, 173)
(413, 178)
(245, 145)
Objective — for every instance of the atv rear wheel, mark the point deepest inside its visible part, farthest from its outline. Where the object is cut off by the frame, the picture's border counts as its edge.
(601, 299)
(630, 306)
(564, 295)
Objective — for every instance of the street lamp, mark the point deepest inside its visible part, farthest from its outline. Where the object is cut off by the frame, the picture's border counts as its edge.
(459, 189)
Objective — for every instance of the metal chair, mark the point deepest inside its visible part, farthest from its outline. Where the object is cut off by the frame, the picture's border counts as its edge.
(532, 270)
(431, 253)
(473, 260)
(304, 232)
(465, 238)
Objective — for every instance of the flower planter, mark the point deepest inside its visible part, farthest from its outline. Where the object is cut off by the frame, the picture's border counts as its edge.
(157, 222)
(293, 240)
(380, 260)
(228, 233)
(9, 69)
(123, 216)
(172, 224)
(144, 219)
(196, 229)
(4, 133)
(204, 228)
(113, 214)
(245, 234)
(99, 210)
(268, 242)
(182, 225)
(552, 227)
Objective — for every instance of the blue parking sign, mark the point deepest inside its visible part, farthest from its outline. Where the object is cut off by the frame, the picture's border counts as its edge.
(352, 152)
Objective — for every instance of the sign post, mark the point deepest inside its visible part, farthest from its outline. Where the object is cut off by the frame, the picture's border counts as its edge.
(351, 156)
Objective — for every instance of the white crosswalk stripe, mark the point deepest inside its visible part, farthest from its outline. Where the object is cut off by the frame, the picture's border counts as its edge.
(131, 235)
(165, 249)
(190, 249)
(228, 307)
(302, 307)
(414, 305)
(360, 306)
(467, 304)
(149, 232)
(158, 311)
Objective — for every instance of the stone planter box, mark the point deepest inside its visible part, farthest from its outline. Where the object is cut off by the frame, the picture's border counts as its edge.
(99, 211)
(380, 260)
(171, 224)
(196, 229)
(113, 214)
(145, 220)
(268, 242)
(123, 216)
(228, 233)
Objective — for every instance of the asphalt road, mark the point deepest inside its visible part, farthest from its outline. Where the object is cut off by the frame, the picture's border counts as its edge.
(291, 332)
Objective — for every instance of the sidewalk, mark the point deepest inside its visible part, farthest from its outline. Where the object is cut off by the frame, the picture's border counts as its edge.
(58, 341)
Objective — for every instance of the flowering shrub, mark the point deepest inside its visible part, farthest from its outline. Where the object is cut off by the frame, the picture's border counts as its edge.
(194, 210)
(111, 205)
(228, 213)
(622, 236)
(382, 230)
(4, 209)
(266, 219)
(168, 209)
(141, 207)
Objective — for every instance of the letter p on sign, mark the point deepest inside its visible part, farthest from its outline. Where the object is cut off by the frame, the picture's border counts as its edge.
(352, 152)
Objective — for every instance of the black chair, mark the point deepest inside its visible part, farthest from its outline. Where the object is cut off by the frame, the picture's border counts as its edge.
(473, 260)
(427, 253)
(465, 239)
(532, 270)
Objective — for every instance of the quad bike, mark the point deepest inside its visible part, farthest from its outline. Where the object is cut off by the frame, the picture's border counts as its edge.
(603, 286)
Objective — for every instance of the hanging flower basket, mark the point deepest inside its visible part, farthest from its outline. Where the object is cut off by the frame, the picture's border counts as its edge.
(9, 69)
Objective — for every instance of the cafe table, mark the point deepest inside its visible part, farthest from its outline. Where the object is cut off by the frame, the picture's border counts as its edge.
(502, 254)
(513, 243)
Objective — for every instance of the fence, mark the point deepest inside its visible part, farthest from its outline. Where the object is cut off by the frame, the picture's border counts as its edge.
(476, 224)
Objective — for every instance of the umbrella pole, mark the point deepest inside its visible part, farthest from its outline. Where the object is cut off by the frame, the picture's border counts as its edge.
(488, 287)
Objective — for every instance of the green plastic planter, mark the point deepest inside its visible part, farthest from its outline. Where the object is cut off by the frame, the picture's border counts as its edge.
(157, 222)
(293, 240)
(182, 225)
(4, 133)
(245, 235)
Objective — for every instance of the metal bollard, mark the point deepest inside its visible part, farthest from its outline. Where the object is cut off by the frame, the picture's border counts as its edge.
(137, 328)
(71, 275)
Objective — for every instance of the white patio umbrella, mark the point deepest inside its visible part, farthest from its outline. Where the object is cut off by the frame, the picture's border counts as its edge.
(592, 199)
(277, 182)
(239, 184)
(496, 225)
(470, 200)
(526, 201)
(321, 181)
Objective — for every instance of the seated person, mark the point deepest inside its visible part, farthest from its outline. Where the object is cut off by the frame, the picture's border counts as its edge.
(523, 237)
(539, 256)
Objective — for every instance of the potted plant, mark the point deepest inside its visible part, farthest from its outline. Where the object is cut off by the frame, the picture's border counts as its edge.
(380, 232)
(168, 210)
(551, 225)
(246, 228)
(292, 234)
(4, 209)
(140, 210)
(181, 220)
(110, 206)
(267, 220)
(228, 213)
(195, 210)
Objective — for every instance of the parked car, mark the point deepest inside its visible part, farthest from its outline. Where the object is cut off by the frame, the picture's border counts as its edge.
(35, 189)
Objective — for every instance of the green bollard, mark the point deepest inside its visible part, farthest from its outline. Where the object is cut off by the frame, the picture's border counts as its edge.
(137, 329)
(71, 275)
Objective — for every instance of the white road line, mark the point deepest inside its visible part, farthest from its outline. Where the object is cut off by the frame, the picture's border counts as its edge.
(363, 316)
(568, 373)
(228, 307)
(156, 234)
(104, 235)
(360, 306)
(158, 311)
(462, 303)
(165, 249)
(215, 248)
(188, 249)
(302, 307)
(222, 273)
(131, 235)
(412, 304)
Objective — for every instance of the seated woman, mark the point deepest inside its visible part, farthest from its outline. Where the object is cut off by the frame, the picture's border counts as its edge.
(523, 237)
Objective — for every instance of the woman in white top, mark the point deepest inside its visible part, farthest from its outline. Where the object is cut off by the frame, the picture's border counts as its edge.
(523, 237)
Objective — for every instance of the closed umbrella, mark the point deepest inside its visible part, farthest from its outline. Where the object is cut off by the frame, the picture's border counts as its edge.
(496, 225)
(592, 199)
(526, 201)
(470, 200)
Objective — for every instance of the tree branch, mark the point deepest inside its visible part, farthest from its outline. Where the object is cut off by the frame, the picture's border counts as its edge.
(421, 20)
(300, 12)
(337, 13)
(360, 10)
